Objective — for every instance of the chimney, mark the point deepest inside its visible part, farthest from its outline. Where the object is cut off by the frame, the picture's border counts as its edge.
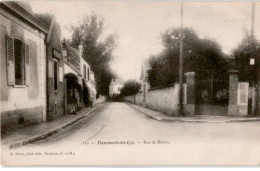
(80, 50)
(64, 54)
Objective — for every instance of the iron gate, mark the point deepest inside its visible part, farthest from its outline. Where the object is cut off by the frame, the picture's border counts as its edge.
(212, 97)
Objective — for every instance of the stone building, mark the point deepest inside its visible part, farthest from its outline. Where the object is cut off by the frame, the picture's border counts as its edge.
(23, 66)
(55, 68)
(75, 64)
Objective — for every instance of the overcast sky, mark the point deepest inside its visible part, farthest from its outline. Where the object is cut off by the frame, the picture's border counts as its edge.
(140, 24)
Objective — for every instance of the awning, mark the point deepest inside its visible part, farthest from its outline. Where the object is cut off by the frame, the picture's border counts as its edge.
(91, 87)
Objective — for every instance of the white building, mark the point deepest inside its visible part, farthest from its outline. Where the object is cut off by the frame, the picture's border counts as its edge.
(145, 85)
(23, 65)
(74, 63)
(115, 87)
(88, 78)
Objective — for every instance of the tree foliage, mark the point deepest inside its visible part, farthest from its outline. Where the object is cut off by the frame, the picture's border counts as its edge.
(72, 85)
(131, 87)
(72, 81)
(248, 48)
(97, 49)
(202, 56)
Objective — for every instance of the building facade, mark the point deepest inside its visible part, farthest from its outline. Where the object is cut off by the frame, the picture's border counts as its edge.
(88, 82)
(76, 65)
(55, 68)
(23, 66)
(115, 87)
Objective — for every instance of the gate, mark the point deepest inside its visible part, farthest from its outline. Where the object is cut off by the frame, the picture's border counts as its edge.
(212, 97)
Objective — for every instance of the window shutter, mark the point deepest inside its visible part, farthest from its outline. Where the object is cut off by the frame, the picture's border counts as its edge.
(10, 60)
(27, 65)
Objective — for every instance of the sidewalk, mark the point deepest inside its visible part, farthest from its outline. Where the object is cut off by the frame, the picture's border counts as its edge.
(197, 118)
(40, 131)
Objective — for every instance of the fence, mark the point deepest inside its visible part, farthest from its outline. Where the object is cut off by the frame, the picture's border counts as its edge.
(231, 98)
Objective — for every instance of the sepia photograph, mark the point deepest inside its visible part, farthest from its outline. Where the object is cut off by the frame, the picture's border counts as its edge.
(130, 83)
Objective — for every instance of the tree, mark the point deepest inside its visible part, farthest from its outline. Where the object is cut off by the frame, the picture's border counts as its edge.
(131, 87)
(72, 85)
(72, 81)
(97, 51)
(202, 56)
(248, 48)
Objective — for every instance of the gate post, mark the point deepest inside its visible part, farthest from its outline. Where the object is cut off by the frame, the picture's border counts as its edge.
(233, 93)
(189, 106)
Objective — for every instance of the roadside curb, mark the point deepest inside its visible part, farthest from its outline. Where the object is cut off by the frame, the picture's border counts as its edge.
(52, 131)
(195, 120)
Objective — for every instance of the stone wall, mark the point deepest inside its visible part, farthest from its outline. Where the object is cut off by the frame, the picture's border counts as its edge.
(165, 99)
(162, 99)
(14, 119)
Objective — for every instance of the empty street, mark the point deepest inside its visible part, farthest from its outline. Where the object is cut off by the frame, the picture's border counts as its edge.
(118, 134)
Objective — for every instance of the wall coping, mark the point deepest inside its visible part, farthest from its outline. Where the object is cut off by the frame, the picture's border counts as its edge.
(162, 87)
(189, 74)
(233, 71)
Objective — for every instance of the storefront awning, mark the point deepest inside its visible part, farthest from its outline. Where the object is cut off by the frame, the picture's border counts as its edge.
(91, 87)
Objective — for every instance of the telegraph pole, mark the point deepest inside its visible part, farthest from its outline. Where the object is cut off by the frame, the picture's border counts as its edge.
(255, 84)
(253, 20)
(181, 65)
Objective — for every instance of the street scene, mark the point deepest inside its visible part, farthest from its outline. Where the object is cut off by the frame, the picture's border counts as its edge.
(130, 83)
(117, 132)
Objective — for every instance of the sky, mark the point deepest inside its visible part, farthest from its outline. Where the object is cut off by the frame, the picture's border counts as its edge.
(140, 24)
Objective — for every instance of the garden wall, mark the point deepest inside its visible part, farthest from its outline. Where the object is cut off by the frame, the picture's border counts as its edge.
(163, 99)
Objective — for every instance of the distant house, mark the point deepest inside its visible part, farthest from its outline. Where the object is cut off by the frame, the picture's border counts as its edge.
(145, 85)
(55, 68)
(23, 65)
(115, 87)
(88, 82)
(75, 64)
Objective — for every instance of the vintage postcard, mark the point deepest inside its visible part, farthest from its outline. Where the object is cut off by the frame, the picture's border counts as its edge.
(130, 83)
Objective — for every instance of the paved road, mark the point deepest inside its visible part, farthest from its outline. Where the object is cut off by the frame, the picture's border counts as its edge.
(118, 134)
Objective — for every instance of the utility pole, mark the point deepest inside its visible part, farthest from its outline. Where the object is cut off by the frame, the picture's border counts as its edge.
(255, 84)
(253, 20)
(181, 65)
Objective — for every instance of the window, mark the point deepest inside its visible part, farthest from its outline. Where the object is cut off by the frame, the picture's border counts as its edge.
(85, 70)
(55, 69)
(19, 62)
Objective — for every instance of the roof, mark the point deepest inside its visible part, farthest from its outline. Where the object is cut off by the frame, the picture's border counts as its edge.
(45, 18)
(73, 56)
(23, 10)
(25, 5)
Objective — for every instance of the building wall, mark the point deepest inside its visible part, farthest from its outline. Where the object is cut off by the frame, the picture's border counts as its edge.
(115, 88)
(68, 69)
(161, 99)
(24, 104)
(55, 97)
(82, 63)
(89, 79)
